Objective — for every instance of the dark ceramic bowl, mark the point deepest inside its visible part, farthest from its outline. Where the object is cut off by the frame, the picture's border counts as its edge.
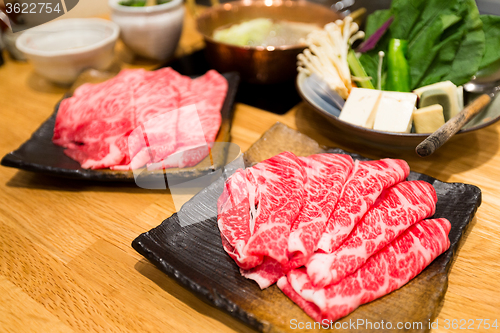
(385, 139)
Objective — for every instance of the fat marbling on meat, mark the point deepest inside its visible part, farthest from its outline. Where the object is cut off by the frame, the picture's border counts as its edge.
(389, 269)
(257, 209)
(140, 118)
(367, 181)
(326, 175)
(397, 208)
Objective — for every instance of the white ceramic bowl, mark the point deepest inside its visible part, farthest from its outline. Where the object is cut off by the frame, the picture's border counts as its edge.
(62, 49)
(152, 31)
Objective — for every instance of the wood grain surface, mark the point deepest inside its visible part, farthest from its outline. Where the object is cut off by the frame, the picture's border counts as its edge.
(66, 264)
(434, 141)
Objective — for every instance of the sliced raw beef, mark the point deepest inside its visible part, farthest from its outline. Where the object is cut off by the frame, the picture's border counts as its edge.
(207, 92)
(160, 92)
(399, 207)
(310, 308)
(391, 268)
(326, 174)
(198, 123)
(233, 219)
(365, 184)
(259, 228)
(106, 100)
(93, 124)
(152, 140)
(266, 274)
(155, 135)
(197, 127)
(133, 119)
(279, 196)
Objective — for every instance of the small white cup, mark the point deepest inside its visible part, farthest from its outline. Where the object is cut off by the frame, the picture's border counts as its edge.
(62, 49)
(151, 31)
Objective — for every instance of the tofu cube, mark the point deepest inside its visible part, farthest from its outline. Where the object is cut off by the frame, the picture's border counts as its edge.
(447, 92)
(395, 112)
(360, 107)
(428, 119)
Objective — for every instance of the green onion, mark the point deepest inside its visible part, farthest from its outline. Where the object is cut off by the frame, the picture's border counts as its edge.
(358, 70)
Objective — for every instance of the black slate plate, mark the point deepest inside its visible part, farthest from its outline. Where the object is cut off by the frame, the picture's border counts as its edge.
(39, 154)
(193, 255)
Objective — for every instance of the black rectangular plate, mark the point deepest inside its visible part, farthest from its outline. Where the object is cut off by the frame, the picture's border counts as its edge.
(193, 255)
(39, 154)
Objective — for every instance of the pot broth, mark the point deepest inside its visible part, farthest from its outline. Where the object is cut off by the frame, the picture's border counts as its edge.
(264, 32)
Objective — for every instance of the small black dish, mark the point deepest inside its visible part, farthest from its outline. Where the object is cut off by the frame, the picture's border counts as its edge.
(39, 154)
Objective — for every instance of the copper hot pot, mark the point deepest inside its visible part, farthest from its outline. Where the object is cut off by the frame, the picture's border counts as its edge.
(258, 64)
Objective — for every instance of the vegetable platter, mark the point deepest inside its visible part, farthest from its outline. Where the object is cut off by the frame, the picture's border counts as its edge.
(412, 59)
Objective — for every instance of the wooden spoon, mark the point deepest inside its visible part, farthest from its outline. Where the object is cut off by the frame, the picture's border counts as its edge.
(452, 126)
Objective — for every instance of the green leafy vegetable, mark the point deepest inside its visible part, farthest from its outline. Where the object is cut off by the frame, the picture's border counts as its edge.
(133, 3)
(375, 21)
(251, 32)
(471, 49)
(491, 28)
(358, 70)
(445, 39)
(398, 73)
(372, 41)
(406, 15)
(370, 59)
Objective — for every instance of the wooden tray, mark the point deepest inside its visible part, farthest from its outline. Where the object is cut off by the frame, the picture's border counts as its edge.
(39, 154)
(193, 255)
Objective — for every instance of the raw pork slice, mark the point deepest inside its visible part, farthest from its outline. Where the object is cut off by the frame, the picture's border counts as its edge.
(391, 268)
(274, 189)
(326, 174)
(395, 210)
(365, 184)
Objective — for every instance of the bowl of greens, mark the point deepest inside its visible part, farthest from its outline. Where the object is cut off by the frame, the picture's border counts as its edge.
(402, 72)
(149, 28)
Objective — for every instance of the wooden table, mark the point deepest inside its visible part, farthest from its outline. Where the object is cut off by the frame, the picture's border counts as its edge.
(66, 263)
